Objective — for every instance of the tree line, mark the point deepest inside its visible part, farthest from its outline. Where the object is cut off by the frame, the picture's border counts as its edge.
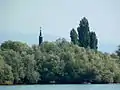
(59, 62)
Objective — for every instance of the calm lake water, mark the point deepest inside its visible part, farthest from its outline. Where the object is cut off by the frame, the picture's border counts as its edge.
(63, 87)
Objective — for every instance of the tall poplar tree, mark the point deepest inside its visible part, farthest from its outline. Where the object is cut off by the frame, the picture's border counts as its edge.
(93, 40)
(83, 33)
(118, 51)
(74, 36)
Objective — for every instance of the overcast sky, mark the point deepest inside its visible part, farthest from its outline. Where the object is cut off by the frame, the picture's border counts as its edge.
(58, 17)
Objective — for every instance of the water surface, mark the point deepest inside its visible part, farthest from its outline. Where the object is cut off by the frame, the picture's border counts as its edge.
(63, 87)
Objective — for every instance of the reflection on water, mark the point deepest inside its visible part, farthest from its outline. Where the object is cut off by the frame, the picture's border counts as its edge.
(63, 87)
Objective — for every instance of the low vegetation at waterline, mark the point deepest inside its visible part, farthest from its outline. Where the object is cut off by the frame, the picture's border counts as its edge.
(56, 62)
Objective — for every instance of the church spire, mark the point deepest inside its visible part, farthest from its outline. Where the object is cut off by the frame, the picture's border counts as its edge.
(40, 37)
(40, 32)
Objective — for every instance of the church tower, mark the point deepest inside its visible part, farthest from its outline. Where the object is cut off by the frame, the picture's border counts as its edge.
(40, 37)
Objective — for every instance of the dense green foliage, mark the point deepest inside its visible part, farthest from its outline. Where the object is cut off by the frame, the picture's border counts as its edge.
(56, 62)
(85, 38)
